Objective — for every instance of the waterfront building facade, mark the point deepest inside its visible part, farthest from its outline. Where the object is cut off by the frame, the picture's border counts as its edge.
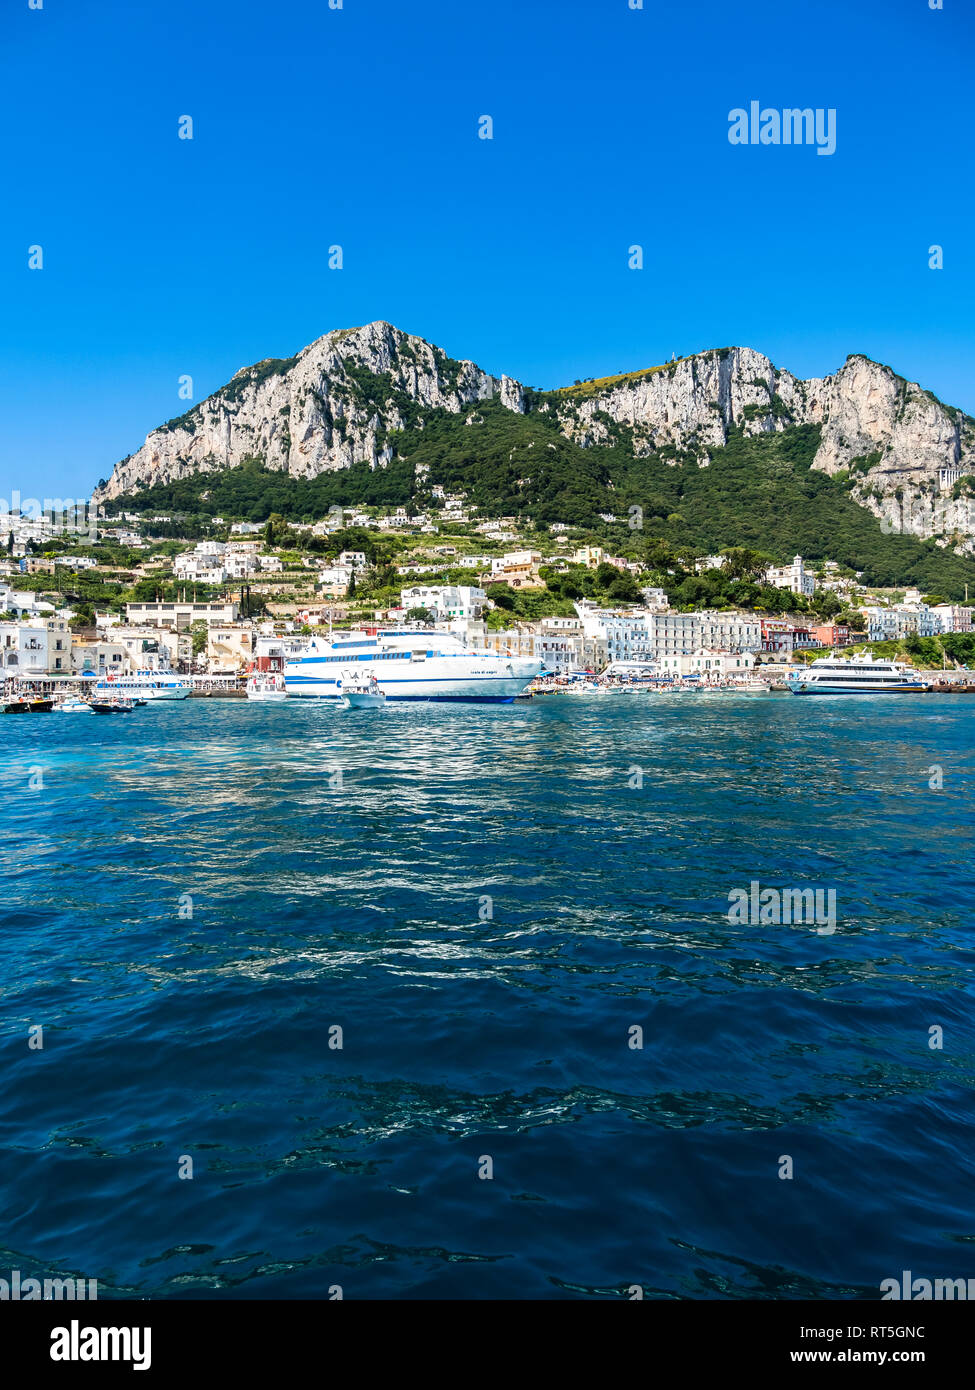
(38, 647)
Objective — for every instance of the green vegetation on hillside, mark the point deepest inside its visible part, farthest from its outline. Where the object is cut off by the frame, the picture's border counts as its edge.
(759, 491)
(252, 492)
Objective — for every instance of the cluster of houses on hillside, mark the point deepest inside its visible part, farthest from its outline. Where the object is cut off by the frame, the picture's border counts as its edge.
(216, 562)
(37, 636)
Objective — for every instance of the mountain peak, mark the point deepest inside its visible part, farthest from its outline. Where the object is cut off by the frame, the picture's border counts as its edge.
(350, 395)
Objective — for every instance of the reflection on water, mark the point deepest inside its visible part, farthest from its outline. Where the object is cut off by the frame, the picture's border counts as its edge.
(485, 905)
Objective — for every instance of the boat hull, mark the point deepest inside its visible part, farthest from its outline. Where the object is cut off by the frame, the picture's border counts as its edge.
(826, 688)
(304, 681)
(107, 690)
(361, 699)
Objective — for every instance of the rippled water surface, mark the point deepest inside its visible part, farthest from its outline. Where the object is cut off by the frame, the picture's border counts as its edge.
(486, 901)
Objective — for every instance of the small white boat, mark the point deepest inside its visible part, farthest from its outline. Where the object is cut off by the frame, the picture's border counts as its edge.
(73, 704)
(360, 691)
(266, 685)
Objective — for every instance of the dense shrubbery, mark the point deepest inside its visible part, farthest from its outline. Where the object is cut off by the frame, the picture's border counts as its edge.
(252, 492)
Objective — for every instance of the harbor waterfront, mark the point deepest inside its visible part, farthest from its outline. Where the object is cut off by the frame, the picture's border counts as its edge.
(518, 918)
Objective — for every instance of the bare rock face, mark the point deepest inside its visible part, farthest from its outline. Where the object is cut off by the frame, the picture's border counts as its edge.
(903, 448)
(686, 405)
(332, 405)
(341, 400)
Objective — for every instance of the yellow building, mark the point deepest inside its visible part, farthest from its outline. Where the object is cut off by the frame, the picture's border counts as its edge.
(230, 646)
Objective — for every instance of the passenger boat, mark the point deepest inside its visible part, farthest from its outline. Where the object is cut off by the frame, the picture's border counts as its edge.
(359, 691)
(266, 685)
(409, 665)
(144, 685)
(860, 675)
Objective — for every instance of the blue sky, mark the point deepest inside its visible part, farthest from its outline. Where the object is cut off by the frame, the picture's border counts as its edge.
(358, 126)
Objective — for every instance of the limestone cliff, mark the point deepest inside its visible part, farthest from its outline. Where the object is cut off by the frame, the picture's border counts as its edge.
(332, 405)
(342, 399)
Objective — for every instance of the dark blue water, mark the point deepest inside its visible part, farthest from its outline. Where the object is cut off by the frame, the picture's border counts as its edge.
(467, 1036)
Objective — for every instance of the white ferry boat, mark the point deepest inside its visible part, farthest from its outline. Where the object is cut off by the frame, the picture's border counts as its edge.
(860, 675)
(266, 685)
(144, 685)
(409, 665)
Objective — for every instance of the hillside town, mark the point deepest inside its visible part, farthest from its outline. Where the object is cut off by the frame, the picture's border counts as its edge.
(135, 595)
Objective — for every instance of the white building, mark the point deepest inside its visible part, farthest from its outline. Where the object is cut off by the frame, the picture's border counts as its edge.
(708, 662)
(794, 577)
(682, 634)
(655, 598)
(626, 636)
(899, 622)
(953, 617)
(180, 614)
(150, 648)
(447, 602)
(37, 647)
(199, 569)
(334, 577)
(24, 604)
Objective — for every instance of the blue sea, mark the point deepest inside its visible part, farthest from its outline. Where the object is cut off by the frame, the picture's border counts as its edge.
(376, 979)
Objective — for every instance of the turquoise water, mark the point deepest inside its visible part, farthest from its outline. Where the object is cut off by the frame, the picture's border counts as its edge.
(196, 894)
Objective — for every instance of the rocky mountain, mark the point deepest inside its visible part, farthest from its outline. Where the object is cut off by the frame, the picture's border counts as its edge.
(347, 397)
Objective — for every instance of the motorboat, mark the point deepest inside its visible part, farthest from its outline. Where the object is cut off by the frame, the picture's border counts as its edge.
(73, 704)
(111, 706)
(357, 690)
(28, 704)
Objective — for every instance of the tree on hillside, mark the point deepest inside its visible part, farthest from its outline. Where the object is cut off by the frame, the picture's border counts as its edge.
(826, 604)
(742, 563)
(500, 595)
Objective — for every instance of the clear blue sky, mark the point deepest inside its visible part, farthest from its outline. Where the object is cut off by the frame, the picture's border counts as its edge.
(359, 126)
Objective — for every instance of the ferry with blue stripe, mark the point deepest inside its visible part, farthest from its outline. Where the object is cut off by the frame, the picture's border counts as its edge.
(408, 665)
